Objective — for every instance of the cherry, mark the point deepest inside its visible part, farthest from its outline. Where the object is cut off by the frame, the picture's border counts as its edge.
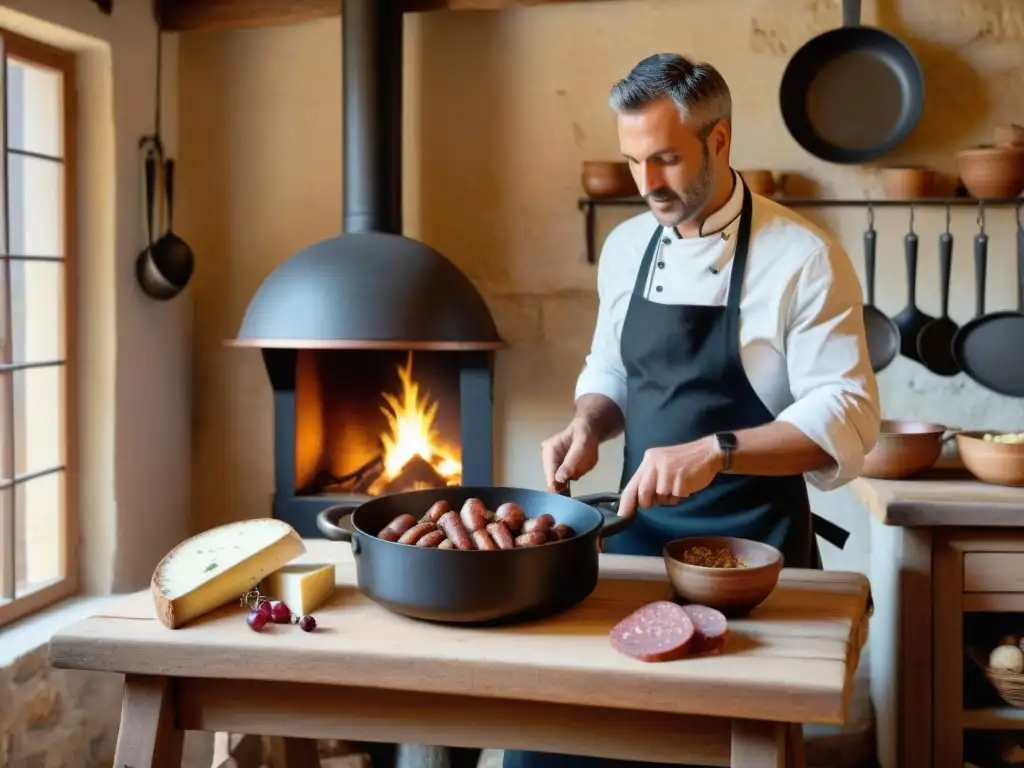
(307, 623)
(279, 613)
(264, 607)
(257, 620)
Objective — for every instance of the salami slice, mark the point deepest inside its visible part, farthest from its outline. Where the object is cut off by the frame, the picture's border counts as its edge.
(710, 627)
(660, 631)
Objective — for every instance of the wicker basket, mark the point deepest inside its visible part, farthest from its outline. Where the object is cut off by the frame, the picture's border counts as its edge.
(1009, 685)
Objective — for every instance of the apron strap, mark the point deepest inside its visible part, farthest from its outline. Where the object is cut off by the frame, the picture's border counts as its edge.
(739, 264)
(829, 531)
(643, 274)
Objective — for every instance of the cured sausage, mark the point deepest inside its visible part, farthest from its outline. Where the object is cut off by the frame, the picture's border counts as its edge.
(446, 544)
(560, 532)
(474, 515)
(393, 531)
(431, 539)
(483, 540)
(531, 539)
(502, 535)
(416, 533)
(659, 631)
(437, 509)
(512, 515)
(710, 626)
(452, 525)
(542, 523)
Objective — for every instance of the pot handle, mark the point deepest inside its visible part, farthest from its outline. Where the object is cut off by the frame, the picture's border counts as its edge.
(331, 522)
(949, 434)
(608, 505)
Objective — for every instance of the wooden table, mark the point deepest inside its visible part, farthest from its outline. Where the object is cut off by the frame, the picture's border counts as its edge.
(555, 685)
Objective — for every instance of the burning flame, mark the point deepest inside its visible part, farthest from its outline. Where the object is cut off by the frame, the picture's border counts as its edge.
(411, 433)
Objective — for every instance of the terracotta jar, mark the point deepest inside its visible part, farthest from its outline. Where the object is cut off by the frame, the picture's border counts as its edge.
(992, 172)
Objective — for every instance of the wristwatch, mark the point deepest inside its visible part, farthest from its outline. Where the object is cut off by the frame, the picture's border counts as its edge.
(727, 443)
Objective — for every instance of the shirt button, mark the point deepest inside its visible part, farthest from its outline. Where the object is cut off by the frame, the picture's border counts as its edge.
(658, 289)
(666, 241)
(661, 265)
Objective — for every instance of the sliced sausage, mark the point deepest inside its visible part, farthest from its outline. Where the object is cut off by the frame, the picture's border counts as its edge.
(393, 531)
(446, 544)
(502, 535)
(710, 626)
(659, 631)
(431, 539)
(531, 539)
(452, 525)
(561, 532)
(543, 523)
(416, 533)
(512, 515)
(437, 509)
(483, 540)
(474, 515)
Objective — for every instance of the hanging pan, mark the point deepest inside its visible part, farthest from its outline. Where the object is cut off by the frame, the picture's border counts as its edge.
(882, 335)
(935, 343)
(989, 347)
(911, 320)
(852, 94)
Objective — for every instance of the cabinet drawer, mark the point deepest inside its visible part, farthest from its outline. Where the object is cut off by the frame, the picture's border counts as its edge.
(994, 572)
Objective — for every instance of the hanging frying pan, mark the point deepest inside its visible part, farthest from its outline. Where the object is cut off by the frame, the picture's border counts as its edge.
(988, 348)
(882, 335)
(935, 343)
(852, 94)
(911, 320)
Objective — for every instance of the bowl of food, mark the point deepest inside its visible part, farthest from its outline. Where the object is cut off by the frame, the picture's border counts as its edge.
(993, 457)
(731, 574)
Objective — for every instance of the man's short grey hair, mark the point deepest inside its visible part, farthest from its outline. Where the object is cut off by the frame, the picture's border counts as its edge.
(698, 90)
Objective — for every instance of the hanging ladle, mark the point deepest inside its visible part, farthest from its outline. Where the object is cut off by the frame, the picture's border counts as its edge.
(911, 320)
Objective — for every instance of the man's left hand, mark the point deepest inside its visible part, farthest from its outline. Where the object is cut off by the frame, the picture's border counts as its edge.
(668, 475)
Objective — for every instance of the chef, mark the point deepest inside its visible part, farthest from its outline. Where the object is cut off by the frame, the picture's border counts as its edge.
(729, 346)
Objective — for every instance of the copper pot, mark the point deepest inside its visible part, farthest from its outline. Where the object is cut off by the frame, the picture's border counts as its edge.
(905, 449)
(607, 178)
(908, 183)
(992, 172)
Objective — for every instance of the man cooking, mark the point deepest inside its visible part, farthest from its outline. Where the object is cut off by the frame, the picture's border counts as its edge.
(729, 346)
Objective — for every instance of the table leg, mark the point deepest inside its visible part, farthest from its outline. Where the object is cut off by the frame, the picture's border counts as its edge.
(286, 752)
(758, 744)
(795, 733)
(148, 737)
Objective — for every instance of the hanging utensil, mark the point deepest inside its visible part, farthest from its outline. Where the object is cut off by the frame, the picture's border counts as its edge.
(989, 348)
(911, 320)
(882, 335)
(147, 271)
(173, 255)
(935, 344)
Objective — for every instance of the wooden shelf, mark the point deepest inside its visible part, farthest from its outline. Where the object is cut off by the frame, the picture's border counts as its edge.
(994, 719)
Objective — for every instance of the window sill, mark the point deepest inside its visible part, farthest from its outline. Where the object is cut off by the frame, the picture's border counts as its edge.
(35, 631)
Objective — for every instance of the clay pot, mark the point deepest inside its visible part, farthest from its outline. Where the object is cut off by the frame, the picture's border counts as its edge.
(608, 178)
(992, 172)
(759, 182)
(1008, 135)
(733, 591)
(905, 449)
(996, 463)
(908, 183)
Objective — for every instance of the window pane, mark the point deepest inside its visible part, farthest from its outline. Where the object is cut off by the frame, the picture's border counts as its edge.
(38, 419)
(35, 192)
(37, 311)
(39, 507)
(34, 113)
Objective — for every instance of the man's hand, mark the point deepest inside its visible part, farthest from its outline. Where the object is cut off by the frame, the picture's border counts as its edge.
(668, 475)
(569, 455)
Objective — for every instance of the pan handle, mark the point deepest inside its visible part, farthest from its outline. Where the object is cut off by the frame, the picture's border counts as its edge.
(335, 522)
(608, 505)
(851, 13)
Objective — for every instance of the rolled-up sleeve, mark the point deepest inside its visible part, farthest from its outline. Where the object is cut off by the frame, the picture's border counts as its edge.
(603, 371)
(834, 389)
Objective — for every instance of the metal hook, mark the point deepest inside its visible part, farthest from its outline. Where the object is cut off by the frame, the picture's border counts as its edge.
(871, 216)
(947, 217)
(981, 216)
(911, 218)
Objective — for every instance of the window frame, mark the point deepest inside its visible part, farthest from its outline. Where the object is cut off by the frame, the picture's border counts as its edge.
(40, 54)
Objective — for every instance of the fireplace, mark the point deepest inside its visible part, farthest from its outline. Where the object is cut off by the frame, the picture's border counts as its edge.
(379, 350)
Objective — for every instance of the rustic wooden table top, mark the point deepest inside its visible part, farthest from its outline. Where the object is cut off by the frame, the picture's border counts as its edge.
(792, 660)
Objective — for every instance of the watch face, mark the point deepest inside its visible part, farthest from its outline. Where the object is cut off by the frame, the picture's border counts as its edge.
(727, 440)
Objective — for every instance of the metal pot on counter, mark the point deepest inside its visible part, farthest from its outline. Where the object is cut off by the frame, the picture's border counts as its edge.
(905, 449)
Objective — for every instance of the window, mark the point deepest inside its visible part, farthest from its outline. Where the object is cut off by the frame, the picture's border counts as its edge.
(38, 535)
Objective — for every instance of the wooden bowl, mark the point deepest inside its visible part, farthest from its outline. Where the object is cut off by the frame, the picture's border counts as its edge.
(992, 172)
(608, 178)
(996, 463)
(908, 183)
(759, 182)
(904, 449)
(733, 591)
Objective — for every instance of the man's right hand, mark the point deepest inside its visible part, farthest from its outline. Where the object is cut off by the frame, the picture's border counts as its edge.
(569, 455)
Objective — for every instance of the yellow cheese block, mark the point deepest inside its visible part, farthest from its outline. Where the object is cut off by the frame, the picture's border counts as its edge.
(218, 566)
(302, 587)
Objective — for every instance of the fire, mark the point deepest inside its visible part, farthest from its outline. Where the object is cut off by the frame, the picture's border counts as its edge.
(411, 434)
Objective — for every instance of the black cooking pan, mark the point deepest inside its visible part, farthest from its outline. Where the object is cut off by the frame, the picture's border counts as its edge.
(852, 94)
(883, 336)
(474, 587)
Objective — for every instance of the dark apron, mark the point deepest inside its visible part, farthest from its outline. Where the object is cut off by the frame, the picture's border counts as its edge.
(685, 381)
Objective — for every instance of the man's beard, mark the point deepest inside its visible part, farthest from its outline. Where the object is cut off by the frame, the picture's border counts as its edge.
(693, 200)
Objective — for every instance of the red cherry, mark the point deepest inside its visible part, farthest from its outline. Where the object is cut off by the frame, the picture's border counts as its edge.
(307, 623)
(264, 607)
(257, 620)
(279, 613)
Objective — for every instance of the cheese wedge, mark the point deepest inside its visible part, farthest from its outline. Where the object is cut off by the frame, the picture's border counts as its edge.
(218, 566)
(302, 587)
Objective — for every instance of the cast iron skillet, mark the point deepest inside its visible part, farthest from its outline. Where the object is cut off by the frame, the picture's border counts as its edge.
(472, 587)
(852, 94)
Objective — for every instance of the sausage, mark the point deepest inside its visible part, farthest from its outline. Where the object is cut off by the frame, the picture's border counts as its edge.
(431, 539)
(502, 535)
(561, 532)
(542, 523)
(531, 539)
(711, 628)
(483, 540)
(452, 525)
(474, 515)
(510, 514)
(659, 631)
(393, 531)
(446, 544)
(437, 509)
(416, 533)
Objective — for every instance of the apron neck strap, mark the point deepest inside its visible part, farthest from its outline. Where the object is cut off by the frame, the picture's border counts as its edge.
(739, 259)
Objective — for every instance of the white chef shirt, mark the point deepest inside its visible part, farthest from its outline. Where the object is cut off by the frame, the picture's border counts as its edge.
(802, 342)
